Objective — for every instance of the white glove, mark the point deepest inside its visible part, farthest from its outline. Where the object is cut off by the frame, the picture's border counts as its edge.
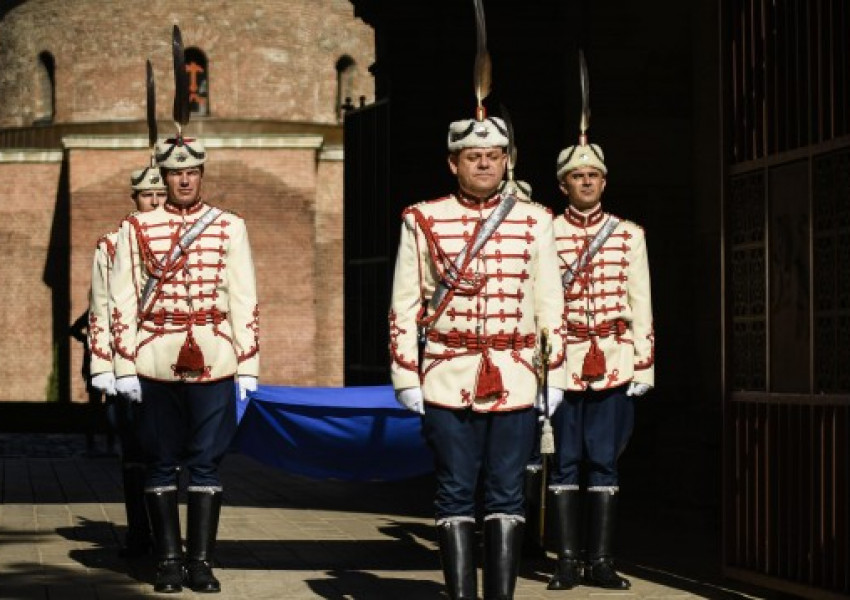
(411, 399)
(637, 389)
(556, 396)
(129, 387)
(247, 383)
(104, 382)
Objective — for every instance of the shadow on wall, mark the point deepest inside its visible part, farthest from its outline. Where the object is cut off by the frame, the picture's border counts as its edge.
(57, 277)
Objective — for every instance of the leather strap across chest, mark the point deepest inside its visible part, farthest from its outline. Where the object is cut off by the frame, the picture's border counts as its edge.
(177, 250)
(452, 275)
(595, 244)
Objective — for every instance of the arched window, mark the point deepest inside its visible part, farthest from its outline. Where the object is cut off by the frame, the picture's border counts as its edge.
(199, 86)
(344, 83)
(45, 94)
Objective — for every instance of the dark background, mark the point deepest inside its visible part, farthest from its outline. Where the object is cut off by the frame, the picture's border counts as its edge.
(656, 97)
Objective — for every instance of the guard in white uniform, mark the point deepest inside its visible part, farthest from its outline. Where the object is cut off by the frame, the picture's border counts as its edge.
(610, 356)
(185, 327)
(476, 280)
(148, 193)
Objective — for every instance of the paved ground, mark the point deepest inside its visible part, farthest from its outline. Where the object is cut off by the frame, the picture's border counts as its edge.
(61, 521)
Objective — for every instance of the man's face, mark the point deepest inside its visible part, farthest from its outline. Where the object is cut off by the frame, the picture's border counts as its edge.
(584, 187)
(184, 185)
(478, 170)
(148, 200)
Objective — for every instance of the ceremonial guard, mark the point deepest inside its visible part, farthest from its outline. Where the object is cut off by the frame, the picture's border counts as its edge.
(148, 193)
(476, 280)
(610, 359)
(185, 326)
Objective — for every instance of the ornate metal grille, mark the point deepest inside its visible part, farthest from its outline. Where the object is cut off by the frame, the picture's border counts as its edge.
(788, 74)
(786, 455)
(831, 260)
(746, 209)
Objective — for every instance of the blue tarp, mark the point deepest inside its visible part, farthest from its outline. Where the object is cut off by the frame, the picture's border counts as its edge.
(354, 434)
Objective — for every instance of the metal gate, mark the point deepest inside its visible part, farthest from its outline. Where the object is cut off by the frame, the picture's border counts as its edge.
(787, 280)
(370, 243)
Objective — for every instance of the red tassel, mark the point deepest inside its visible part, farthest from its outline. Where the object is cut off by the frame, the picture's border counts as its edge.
(489, 380)
(190, 359)
(594, 363)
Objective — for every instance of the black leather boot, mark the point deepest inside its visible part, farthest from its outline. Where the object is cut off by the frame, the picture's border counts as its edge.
(565, 507)
(165, 523)
(138, 541)
(532, 546)
(457, 555)
(203, 510)
(600, 568)
(502, 547)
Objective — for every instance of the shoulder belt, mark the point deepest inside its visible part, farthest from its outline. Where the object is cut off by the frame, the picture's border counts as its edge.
(194, 231)
(469, 252)
(595, 244)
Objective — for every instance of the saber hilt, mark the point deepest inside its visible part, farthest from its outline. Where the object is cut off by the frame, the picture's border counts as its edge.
(547, 438)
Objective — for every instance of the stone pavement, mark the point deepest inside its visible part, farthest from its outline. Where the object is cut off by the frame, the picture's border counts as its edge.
(62, 519)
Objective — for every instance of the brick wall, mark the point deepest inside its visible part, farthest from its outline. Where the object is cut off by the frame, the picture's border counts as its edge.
(28, 271)
(291, 203)
(329, 271)
(274, 191)
(266, 59)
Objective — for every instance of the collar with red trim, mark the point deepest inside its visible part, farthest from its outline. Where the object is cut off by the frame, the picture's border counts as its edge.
(581, 219)
(183, 210)
(470, 202)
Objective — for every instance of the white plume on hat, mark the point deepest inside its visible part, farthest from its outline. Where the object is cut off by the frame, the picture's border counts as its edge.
(470, 133)
(146, 179)
(581, 155)
(180, 153)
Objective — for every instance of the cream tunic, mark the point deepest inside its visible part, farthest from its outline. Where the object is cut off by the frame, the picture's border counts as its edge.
(210, 295)
(100, 343)
(610, 300)
(518, 294)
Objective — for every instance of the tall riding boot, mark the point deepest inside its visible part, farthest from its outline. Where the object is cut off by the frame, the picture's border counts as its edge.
(457, 553)
(203, 509)
(600, 569)
(565, 504)
(532, 544)
(502, 548)
(165, 523)
(138, 541)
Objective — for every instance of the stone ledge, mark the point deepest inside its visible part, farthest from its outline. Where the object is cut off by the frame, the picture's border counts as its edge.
(126, 142)
(25, 155)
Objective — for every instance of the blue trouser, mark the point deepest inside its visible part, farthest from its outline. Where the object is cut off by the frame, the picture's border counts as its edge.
(467, 444)
(594, 428)
(191, 424)
(535, 460)
(124, 417)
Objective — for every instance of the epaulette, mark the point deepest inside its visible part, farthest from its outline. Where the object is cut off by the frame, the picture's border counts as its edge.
(539, 206)
(130, 215)
(105, 238)
(108, 244)
(625, 221)
(232, 212)
(421, 204)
